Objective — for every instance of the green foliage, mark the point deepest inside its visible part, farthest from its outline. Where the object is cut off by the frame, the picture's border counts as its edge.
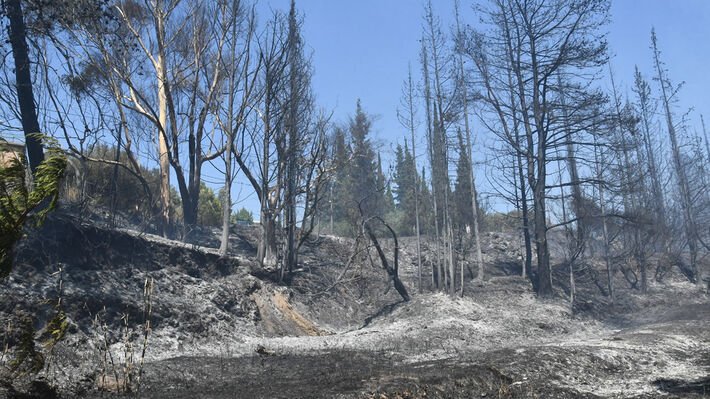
(27, 358)
(338, 185)
(111, 186)
(362, 184)
(406, 179)
(57, 328)
(386, 197)
(209, 211)
(244, 216)
(358, 177)
(20, 205)
(404, 192)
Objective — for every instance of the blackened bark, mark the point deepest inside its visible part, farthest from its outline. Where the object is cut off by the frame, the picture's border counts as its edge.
(391, 271)
(25, 95)
(290, 198)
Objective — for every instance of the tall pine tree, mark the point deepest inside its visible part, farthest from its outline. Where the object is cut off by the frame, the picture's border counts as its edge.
(339, 189)
(366, 194)
(405, 179)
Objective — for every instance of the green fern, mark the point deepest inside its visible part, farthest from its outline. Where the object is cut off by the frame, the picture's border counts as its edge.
(20, 205)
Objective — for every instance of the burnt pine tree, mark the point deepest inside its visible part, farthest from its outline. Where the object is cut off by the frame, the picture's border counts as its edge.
(408, 121)
(440, 109)
(645, 109)
(467, 150)
(501, 98)
(241, 84)
(541, 39)
(668, 92)
(298, 116)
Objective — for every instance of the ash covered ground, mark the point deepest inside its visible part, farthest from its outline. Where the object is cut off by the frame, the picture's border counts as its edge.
(221, 328)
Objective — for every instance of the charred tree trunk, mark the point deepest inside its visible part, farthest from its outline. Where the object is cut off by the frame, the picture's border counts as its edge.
(469, 154)
(267, 250)
(643, 91)
(23, 79)
(227, 199)
(569, 259)
(527, 265)
(544, 275)
(392, 271)
(573, 172)
(436, 272)
(293, 153)
(599, 164)
(409, 122)
(691, 230)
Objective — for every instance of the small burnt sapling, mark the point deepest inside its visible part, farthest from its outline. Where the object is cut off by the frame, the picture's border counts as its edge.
(392, 271)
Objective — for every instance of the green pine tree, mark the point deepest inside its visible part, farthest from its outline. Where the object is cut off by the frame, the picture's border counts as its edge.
(387, 199)
(366, 194)
(339, 189)
(406, 179)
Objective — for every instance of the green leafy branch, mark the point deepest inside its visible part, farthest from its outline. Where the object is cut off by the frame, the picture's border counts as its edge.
(21, 204)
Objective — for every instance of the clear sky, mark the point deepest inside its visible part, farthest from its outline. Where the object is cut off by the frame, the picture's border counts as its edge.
(361, 49)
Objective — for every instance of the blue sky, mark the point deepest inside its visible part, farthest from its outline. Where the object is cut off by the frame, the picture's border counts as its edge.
(361, 49)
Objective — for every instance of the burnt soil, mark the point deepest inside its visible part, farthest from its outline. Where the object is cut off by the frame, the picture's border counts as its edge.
(224, 328)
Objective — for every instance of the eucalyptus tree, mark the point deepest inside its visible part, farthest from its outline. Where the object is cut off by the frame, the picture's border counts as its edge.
(166, 68)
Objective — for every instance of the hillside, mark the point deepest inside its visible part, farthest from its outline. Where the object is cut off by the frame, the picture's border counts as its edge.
(220, 327)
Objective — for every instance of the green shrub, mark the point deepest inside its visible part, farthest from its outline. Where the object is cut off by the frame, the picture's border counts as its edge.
(209, 209)
(243, 216)
(20, 204)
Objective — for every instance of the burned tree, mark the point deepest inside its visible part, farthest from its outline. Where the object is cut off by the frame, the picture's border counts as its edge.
(537, 40)
(668, 93)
